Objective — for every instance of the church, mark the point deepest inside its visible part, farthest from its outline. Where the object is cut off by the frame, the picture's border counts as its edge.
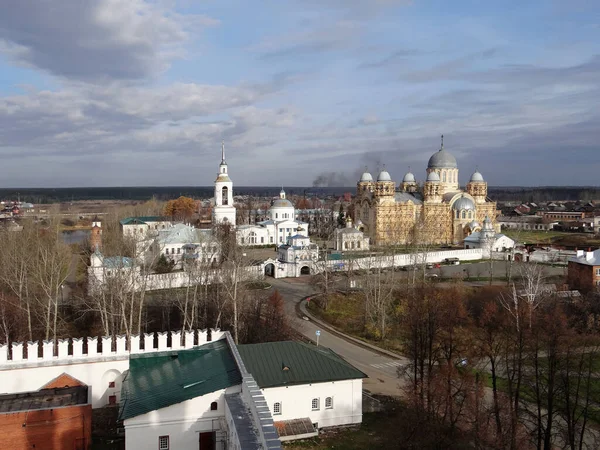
(280, 225)
(438, 212)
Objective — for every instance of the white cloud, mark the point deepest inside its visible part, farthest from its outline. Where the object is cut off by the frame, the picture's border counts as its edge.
(94, 40)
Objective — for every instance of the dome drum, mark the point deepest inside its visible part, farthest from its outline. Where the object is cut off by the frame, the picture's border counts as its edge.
(463, 203)
(384, 176)
(366, 177)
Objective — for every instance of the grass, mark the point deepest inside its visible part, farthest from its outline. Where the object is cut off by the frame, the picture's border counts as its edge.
(395, 428)
(345, 312)
(528, 393)
(552, 237)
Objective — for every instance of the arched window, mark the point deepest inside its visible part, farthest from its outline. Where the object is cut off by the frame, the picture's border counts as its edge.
(346, 245)
(328, 402)
(225, 195)
(252, 237)
(464, 214)
(213, 406)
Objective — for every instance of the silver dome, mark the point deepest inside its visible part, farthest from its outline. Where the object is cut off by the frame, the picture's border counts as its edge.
(463, 203)
(476, 176)
(433, 176)
(366, 177)
(408, 178)
(442, 159)
(384, 176)
(281, 203)
(474, 224)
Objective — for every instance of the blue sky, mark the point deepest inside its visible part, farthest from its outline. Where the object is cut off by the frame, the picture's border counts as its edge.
(134, 92)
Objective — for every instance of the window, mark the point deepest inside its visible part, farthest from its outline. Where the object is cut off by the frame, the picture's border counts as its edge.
(464, 214)
(262, 239)
(328, 402)
(224, 195)
(315, 404)
(598, 272)
(178, 251)
(112, 399)
(213, 406)
(163, 443)
(271, 239)
(276, 215)
(166, 251)
(277, 408)
(111, 384)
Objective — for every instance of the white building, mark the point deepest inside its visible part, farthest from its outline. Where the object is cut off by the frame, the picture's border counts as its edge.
(143, 227)
(181, 242)
(118, 269)
(297, 257)
(223, 209)
(488, 240)
(281, 224)
(212, 395)
(350, 238)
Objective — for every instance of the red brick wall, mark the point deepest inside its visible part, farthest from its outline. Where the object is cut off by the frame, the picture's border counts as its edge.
(581, 276)
(62, 381)
(68, 428)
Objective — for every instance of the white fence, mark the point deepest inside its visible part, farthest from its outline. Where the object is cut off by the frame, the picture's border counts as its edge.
(99, 363)
(381, 261)
(72, 350)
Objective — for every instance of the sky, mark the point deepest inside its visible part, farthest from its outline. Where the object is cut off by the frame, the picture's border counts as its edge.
(141, 93)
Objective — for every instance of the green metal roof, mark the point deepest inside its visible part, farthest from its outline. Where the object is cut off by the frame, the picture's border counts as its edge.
(288, 363)
(142, 220)
(158, 380)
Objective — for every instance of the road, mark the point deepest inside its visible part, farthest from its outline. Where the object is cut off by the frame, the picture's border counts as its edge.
(382, 370)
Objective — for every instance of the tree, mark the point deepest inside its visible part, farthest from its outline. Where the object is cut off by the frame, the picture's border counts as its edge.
(182, 208)
(163, 265)
(341, 217)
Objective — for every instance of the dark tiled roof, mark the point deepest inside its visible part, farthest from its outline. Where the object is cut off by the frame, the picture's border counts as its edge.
(162, 379)
(288, 363)
(44, 399)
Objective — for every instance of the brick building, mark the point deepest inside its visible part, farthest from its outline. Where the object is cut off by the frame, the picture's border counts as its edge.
(57, 417)
(584, 270)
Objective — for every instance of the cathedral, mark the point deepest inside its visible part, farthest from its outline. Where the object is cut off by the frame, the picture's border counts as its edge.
(438, 212)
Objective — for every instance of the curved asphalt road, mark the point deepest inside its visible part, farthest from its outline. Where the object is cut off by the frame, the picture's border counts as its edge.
(382, 370)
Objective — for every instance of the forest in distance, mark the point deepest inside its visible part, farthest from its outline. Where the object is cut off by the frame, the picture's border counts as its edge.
(58, 195)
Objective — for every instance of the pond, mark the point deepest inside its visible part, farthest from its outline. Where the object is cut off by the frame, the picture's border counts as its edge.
(75, 236)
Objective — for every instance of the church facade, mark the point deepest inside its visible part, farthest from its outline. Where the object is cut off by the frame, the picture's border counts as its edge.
(438, 212)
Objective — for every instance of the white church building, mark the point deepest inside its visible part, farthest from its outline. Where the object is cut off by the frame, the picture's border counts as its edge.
(223, 209)
(280, 225)
(486, 238)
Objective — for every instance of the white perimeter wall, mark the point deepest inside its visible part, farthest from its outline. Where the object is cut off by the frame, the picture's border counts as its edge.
(95, 375)
(95, 370)
(296, 402)
(182, 422)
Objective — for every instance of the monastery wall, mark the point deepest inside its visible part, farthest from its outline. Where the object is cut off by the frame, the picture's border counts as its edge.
(381, 261)
(97, 362)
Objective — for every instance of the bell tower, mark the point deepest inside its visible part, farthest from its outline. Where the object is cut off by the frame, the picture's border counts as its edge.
(223, 210)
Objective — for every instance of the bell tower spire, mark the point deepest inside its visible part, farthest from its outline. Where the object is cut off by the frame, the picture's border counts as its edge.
(223, 151)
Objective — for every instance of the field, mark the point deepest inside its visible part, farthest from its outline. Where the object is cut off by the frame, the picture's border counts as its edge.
(561, 238)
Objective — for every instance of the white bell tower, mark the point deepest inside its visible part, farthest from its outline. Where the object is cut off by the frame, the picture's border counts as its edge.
(223, 211)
